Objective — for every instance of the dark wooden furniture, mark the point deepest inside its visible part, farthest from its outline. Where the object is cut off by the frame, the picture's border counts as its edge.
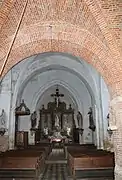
(90, 163)
(22, 164)
(21, 137)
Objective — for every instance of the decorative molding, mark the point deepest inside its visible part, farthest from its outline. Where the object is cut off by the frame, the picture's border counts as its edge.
(19, 110)
(113, 128)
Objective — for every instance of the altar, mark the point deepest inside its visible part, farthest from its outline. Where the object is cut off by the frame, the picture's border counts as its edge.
(56, 121)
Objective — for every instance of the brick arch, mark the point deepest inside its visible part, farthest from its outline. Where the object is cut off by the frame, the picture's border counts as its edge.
(82, 33)
(45, 45)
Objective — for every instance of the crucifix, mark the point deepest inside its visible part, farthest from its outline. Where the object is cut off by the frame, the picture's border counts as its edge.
(57, 95)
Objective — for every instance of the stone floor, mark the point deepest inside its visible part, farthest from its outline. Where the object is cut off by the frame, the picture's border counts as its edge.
(56, 172)
(56, 156)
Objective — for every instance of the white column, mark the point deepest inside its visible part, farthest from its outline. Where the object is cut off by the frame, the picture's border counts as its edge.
(12, 128)
(97, 127)
(100, 117)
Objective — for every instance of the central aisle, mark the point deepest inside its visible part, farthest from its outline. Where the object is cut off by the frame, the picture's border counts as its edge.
(56, 166)
(57, 156)
(56, 172)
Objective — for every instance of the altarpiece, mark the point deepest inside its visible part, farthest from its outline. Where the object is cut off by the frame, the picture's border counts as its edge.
(56, 118)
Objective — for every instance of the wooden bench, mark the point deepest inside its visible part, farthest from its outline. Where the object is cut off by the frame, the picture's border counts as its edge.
(87, 164)
(46, 149)
(78, 148)
(21, 164)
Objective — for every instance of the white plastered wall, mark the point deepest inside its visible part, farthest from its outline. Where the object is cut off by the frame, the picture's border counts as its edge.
(35, 66)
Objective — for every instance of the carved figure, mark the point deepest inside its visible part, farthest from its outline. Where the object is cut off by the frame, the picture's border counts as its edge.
(80, 119)
(108, 119)
(2, 123)
(91, 121)
(33, 119)
(46, 131)
(56, 121)
(2, 119)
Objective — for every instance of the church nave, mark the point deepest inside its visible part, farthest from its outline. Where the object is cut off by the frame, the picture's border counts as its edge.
(55, 123)
(60, 89)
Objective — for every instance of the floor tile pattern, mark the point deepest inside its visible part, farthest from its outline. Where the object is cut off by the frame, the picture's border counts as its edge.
(56, 154)
(56, 172)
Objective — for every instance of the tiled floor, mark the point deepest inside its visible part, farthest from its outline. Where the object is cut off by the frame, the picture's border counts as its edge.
(56, 156)
(56, 172)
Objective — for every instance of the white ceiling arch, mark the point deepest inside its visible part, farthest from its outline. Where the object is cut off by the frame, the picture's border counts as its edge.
(55, 61)
(74, 96)
(56, 67)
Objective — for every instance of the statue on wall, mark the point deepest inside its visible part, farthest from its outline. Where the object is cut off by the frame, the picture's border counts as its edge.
(108, 119)
(80, 120)
(108, 129)
(91, 121)
(33, 119)
(2, 123)
(46, 131)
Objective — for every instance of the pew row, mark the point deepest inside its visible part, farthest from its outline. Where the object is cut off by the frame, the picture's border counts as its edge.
(22, 164)
(90, 164)
(78, 148)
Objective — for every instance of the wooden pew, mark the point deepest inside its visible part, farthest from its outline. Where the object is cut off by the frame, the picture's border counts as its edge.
(94, 163)
(78, 148)
(46, 147)
(21, 164)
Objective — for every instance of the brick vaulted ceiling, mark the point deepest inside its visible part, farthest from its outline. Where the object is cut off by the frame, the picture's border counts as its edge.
(90, 29)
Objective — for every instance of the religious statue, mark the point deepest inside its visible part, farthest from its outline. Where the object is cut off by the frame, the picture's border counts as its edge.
(108, 129)
(46, 131)
(80, 120)
(108, 119)
(33, 119)
(2, 123)
(91, 121)
(68, 131)
(57, 96)
(57, 121)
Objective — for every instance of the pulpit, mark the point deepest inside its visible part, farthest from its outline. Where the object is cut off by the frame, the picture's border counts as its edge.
(21, 137)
